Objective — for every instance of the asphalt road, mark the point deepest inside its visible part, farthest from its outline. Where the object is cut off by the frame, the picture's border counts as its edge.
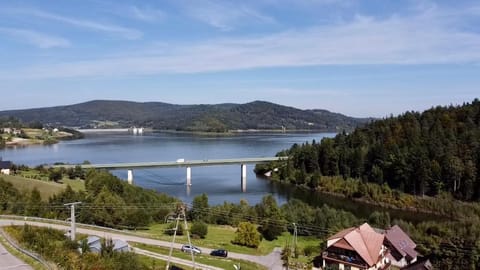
(272, 261)
(10, 262)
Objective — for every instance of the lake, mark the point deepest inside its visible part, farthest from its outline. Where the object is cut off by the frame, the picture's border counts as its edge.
(220, 183)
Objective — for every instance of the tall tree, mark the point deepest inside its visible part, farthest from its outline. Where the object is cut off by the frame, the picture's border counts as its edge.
(272, 222)
(200, 207)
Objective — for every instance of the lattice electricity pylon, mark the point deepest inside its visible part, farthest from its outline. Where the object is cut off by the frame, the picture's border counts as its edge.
(181, 215)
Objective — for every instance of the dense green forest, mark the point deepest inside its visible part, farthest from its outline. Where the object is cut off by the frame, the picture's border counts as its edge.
(209, 118)
(434, 156)
(107, 201)
(418, 153)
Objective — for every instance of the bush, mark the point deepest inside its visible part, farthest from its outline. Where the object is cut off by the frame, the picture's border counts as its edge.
(170, 230)
(247, 235)
(200, 229)
(309, 250)
(55, 175)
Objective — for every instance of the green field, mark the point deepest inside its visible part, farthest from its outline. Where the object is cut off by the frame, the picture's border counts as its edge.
(221, 236)
(46, 188)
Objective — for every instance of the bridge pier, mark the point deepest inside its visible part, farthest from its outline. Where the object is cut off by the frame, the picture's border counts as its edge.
(189, 176)
(130, 177)
(243, 176)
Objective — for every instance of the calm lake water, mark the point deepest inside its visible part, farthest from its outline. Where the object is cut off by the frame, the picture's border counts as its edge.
(220, 183)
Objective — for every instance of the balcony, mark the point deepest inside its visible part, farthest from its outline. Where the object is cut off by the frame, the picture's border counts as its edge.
(354, 261)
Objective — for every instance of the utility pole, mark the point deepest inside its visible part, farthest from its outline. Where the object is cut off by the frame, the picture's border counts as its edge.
(180, 216)
(294, 240)
(72, 219)
(173, 241)
(188, 237)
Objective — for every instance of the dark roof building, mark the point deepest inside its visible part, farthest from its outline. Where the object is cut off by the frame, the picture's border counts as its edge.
(5, 164)
(401, 247)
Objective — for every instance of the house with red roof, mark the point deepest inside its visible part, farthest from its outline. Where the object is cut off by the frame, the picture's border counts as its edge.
(356, 248)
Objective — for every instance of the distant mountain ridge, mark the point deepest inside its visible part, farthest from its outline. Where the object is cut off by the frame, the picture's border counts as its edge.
(257, 115)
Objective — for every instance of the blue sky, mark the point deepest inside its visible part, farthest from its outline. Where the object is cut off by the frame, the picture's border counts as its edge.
(360, 58)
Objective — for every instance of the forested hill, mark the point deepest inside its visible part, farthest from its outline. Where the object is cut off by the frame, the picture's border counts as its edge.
(419, 153)
(217, 118)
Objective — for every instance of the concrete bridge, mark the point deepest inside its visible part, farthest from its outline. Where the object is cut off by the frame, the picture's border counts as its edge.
(181, 163)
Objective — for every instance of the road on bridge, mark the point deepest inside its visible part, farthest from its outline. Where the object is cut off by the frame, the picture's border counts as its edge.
(272, 261)
(178, 163)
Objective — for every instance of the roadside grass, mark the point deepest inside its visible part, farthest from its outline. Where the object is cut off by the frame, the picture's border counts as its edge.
(225, 263)
(46, 188)
(28, 260)
(152, 263)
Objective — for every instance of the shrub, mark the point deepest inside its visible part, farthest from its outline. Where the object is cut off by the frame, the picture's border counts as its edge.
(200, 229)
(170, 230)
(247, 235)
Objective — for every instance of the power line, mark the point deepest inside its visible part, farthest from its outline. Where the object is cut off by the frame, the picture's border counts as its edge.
(466, 250)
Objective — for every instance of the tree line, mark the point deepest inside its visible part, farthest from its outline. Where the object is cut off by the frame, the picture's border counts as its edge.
(205, 118)
(106, 201)
(418, 153)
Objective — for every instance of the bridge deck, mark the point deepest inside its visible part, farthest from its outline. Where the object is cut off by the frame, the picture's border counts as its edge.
(186, 163)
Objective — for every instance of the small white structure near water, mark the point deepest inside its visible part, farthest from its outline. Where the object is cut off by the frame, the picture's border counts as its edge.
(5, 167)
(137, 131)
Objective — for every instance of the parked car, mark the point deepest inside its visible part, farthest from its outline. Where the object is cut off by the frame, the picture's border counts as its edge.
(190, 249)
(219, 253)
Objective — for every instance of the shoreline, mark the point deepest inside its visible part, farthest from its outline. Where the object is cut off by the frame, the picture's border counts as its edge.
(379, 204)
(230, 132)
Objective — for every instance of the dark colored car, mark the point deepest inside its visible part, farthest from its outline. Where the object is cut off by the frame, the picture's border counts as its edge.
(219, 253)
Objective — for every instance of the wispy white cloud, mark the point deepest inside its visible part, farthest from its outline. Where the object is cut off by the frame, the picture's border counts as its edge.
(433, 37)
(146, 14)
(35, 38)
(224, 15)
(128, 33)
